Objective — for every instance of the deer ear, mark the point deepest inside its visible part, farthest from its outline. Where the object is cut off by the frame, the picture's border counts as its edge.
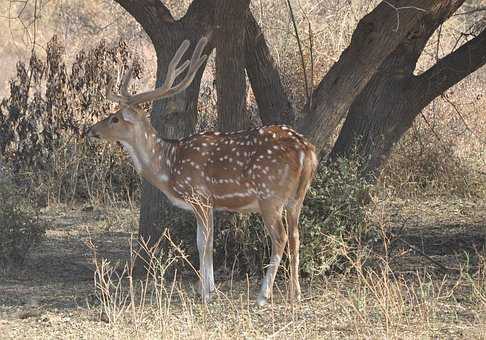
(129, 117)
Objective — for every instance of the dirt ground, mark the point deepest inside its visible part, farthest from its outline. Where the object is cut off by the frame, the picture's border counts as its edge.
(434, 292)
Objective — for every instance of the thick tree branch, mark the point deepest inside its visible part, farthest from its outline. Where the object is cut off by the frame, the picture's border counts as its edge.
(376, 36)
(273, 103)
(152, 15)
(200, 14)
(389, 103)
(157, 21)
(452, 68)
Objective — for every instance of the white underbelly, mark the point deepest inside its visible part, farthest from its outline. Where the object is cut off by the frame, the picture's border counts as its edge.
(250, 207)
(179, 203)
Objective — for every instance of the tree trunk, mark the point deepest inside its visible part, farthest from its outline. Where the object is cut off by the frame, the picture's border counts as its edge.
(273, 104)
(231, 17)
(388, 105)
(174, 117)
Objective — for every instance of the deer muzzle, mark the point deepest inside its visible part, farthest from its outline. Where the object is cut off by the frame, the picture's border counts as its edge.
(91, 133)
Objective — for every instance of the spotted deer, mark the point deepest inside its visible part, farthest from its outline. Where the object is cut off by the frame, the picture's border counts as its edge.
(265, 170)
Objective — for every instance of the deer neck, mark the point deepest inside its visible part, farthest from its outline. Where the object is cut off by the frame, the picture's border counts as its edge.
(151, 156)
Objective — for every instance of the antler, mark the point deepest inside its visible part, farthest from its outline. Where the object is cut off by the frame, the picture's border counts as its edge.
(173, 71)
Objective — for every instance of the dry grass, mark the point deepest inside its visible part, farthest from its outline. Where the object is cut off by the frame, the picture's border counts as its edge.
(395, 292)
(444, 151)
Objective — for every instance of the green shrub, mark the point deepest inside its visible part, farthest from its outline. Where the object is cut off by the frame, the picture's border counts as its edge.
(333, 220)
(20, 227)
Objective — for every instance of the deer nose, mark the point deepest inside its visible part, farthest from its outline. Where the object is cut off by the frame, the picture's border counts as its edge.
(91, 134)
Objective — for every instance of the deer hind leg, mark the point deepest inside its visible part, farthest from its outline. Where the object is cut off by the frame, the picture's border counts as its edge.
(204, 217)
(272, 218)
(293, 213)
(294, 207)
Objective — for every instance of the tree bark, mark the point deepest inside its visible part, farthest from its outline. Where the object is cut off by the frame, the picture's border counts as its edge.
(273, 103)
(387, 107)
(377, 35)
(231, 17)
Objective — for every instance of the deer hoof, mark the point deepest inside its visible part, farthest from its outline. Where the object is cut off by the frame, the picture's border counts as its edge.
(261, 300)
(206, 298)
(205, 295)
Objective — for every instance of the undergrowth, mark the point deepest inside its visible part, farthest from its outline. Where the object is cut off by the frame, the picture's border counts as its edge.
(20, 226)
(43, 120)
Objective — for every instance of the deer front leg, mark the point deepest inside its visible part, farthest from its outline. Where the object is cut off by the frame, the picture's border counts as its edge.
(205, 248)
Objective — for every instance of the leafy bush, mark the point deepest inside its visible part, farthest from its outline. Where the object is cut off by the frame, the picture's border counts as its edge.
(43, 118)
(20, 227)
(333, 219)
(333, 225)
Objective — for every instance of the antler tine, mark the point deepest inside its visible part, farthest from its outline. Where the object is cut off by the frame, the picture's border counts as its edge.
(172, 70)
(110, 95)
(167, 89)
(126, 82)
(197, 58)
(181, 69)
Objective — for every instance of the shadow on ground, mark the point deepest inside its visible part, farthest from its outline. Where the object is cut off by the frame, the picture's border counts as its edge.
(59, 272)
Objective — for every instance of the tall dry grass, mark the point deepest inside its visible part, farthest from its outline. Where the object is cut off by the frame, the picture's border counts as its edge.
(368, 301)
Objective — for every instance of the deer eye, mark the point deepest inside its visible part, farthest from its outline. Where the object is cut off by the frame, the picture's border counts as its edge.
(114, 120)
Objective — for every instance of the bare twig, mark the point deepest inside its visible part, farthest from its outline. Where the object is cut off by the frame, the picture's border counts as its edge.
(311, 49)
(463, 120)
(301, 52)
(437, 50)
(397, 11)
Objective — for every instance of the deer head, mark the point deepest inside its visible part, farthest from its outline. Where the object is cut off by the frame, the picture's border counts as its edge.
(129, 124)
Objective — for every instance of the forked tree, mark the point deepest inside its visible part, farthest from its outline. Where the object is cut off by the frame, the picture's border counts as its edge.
(264, 170)
(372, 85)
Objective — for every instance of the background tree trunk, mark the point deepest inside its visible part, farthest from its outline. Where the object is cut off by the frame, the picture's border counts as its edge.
(231, 17)
(273, 103)
(174, 117)
(393, 98)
